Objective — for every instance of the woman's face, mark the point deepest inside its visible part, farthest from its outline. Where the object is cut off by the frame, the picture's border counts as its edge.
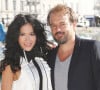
(27, 37)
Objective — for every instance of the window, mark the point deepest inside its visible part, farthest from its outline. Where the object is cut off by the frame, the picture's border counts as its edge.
(6, 4)
(14, 5)
(22, 5)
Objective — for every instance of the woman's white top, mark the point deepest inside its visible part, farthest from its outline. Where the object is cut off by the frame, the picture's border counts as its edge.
(29, 78)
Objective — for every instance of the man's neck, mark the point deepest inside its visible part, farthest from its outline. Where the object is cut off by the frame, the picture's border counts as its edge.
(65, 50)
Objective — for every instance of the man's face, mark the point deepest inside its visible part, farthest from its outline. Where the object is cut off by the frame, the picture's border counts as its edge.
(62, 29)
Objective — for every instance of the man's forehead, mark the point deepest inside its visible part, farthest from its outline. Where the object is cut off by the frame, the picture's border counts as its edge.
(58, 16)
(59, 13)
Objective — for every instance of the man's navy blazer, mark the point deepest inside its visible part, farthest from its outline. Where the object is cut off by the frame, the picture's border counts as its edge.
(84, 69)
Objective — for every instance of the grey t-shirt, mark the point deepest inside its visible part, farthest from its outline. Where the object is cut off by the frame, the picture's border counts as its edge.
(61, 73)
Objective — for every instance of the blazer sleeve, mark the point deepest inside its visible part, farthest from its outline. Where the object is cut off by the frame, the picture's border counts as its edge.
(96, 63)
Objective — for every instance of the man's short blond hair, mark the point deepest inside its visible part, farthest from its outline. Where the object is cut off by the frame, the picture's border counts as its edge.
(66, 10)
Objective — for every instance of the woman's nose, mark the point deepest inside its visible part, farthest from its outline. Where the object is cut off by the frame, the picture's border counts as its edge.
(27, 37)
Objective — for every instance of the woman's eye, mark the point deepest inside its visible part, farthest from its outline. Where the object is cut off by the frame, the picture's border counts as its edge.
(32, 34)
(21, 34)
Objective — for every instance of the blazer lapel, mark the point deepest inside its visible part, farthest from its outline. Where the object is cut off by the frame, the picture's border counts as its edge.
(73, 62)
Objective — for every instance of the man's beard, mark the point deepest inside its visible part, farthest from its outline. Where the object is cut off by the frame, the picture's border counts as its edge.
(61, 41)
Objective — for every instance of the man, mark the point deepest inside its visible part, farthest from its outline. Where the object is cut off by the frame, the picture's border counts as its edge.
(75, 63)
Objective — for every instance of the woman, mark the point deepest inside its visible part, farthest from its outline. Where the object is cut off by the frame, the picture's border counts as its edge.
(24, 67)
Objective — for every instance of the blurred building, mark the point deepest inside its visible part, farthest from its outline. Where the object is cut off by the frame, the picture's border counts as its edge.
(40, 8)
(97, 12)
(97, 8)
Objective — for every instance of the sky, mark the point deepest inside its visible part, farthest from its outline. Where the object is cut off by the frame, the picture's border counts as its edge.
(84, 6)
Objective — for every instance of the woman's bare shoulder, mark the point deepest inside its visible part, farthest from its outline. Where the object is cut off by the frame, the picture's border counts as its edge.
(7, 78)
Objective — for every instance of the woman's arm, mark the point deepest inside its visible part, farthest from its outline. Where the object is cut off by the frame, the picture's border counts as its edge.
(7, 79)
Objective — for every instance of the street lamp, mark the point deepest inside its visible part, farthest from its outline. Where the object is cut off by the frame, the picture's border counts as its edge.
(7, 20)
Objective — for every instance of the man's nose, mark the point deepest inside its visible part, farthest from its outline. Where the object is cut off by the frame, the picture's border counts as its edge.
(58, 28)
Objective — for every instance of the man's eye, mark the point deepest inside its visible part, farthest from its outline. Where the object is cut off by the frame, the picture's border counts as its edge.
(53, 26)
(63, 24)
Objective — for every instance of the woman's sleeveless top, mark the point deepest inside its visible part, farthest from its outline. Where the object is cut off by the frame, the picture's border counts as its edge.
(35, 75)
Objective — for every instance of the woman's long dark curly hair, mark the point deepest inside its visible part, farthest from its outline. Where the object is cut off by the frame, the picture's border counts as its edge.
(13, 50)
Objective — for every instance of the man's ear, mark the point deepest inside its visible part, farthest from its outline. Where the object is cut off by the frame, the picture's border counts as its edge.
(74, 25)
